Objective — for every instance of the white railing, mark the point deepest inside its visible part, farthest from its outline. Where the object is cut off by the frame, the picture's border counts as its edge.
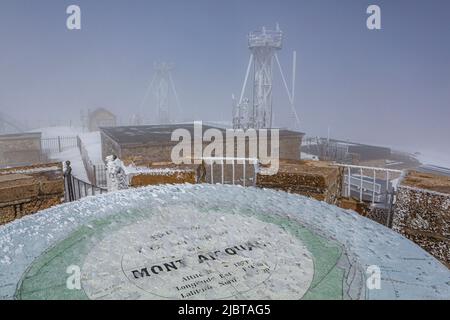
(364, 181)
(222, 161)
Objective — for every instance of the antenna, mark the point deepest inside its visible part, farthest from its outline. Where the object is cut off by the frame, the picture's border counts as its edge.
(161, 86)
(291, 95)
(263, 45)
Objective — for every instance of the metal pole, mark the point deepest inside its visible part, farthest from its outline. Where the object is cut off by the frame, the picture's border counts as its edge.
(222, 172)
(244, 172)
(294, 69)
(360, 184)
(373, 191)
(349, 181)
(246, 79)
(233, 170)
(290, 96)
(212, 172)
(255, 167)
(387, 181)
(72, 188)
(387, 188)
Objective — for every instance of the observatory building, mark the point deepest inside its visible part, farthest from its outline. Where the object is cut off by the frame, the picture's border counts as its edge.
(101, 118)
(152, 143)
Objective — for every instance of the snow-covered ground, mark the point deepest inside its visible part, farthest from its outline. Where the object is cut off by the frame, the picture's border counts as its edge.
(93, 144)
(72, 154)
(307, 156)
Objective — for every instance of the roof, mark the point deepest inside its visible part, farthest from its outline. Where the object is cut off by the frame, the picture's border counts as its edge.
(149, 134)
(427, 181)
(18, 136)
(101, 110)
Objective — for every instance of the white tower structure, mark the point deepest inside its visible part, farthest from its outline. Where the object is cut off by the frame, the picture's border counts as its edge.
(263, 45)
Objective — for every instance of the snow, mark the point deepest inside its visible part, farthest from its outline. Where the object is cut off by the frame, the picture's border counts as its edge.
(91, 141)
(93, 144)
(307, 156)
(136, 170)
(72, 155)
(54, 132)
(31, 170)
(408, 272)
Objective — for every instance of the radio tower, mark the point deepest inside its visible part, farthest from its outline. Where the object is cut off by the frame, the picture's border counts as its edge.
(161, 90)
(263, 45)
(160, 86)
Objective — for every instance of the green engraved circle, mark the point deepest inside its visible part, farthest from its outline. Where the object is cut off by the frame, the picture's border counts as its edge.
(333, 276)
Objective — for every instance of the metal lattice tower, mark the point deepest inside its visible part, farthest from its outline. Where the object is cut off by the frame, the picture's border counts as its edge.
(161, 86)
(9, 125)
(263, 45)
(161, 91)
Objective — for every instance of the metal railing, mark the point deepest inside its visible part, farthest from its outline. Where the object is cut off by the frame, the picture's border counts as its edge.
(369, 184)
(96, 173)
(75, 189)
(230, 170)
(100, 174)
(58, 144)
(327, 150)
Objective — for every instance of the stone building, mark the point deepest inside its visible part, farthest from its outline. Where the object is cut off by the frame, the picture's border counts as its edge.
(144, 145)
(20, 149)
(101, 118)
(27, 190)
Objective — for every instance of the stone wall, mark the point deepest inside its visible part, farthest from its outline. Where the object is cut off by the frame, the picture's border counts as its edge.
(20, 149)
(316, 179)
(27, 190)
(161, 174)
(109, 146)
(377, 214)
(422, 213)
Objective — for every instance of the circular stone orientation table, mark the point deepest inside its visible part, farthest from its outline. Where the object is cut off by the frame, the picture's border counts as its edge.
(210, 242)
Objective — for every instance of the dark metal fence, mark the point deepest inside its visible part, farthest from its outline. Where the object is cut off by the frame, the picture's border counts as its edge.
(100, 174)
(76, 189)
(58, 144)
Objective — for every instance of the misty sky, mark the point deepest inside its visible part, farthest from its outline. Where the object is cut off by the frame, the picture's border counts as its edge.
(388, 87)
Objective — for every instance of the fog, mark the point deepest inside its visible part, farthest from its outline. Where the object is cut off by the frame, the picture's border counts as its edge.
(386, 87)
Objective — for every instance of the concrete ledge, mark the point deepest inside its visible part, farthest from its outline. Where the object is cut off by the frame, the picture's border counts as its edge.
(318, 179)
(27, 190)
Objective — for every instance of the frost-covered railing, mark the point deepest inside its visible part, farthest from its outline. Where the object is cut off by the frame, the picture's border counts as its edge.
(58, 144)
(75, 189)
(96, 172)
(223, 162)
(370, 184)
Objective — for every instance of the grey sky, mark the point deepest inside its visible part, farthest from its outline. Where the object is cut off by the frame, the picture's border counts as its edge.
(387, 87)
